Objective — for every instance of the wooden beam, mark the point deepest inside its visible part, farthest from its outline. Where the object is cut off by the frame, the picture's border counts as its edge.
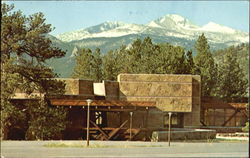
(136, 132)
(114, 132)
(244, 112)
(113, 109)
(101, 103)
(99, 129)
(203, 123)
(104, 128)
(236, 111)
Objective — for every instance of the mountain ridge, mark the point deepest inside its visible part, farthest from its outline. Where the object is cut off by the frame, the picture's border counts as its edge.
(171, 28)
(170, 25)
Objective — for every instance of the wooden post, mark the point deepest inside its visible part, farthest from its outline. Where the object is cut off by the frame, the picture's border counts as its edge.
(146, 124)
(88, 101)
(169, 127)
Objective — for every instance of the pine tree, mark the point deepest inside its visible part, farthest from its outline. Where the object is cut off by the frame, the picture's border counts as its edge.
(83, 67)
(190, 65)
(232, 81)
(97, 66)
(111, 68)
(24, 51)
(135, 56)
(171, 59)
(205, 66)
(143, 56)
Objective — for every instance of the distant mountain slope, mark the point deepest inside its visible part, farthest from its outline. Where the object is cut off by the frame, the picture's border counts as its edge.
(108, 43)
(170, 25)
(63, 66)
(170, 28)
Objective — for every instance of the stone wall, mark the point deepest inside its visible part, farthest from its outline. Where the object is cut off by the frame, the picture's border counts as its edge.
(175, 93)
(171, 92)
(79, 87)
(193, 119)
(73, 87)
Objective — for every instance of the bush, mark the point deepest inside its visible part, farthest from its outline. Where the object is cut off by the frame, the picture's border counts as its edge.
(246, 128)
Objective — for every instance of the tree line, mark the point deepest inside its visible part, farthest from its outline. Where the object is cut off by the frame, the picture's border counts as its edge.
(222, 78)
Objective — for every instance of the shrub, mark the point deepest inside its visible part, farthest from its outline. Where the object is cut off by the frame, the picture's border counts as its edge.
(246, 128)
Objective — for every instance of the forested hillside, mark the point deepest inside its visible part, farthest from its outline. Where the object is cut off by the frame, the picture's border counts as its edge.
(241, 52)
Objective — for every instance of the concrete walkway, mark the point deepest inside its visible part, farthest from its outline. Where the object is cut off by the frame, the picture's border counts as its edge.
(37, 149)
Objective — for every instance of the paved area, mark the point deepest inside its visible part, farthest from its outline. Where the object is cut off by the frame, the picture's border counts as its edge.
(36, 149)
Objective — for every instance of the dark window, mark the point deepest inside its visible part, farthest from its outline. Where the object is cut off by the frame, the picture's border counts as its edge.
(176, 120)
(101, 118)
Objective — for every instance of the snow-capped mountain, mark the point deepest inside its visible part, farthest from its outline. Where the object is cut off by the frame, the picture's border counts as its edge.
(173, 21)
(106, 29)
(170, 25)
(170, 28)
(213, 27)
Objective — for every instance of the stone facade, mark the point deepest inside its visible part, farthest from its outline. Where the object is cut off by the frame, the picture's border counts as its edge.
(176, 93)
(172, 93)
(193, 119)
(79, 87)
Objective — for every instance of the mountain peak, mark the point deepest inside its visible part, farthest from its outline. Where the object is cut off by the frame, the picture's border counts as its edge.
(214, 27)
(173, 21)
(177, 18)
(114, 22)
(108, 25)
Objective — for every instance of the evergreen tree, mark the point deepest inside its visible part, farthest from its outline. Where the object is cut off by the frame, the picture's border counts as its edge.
(83, 67)
(190, 66)
(89, 65)
(240, 51)
(232, 81)
(171, 59)
(205, 66)
(142, 56)
(97, 66)
(135, 56)
(111, 67)
(9, 113)
(149, 55)
(24, 51)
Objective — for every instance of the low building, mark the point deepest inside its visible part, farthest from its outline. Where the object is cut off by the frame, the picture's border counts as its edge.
(130, 108)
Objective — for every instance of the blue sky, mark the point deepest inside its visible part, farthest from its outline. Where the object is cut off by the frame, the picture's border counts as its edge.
(72, 15)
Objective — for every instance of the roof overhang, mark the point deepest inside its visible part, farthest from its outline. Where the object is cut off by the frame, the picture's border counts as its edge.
(101, 103)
